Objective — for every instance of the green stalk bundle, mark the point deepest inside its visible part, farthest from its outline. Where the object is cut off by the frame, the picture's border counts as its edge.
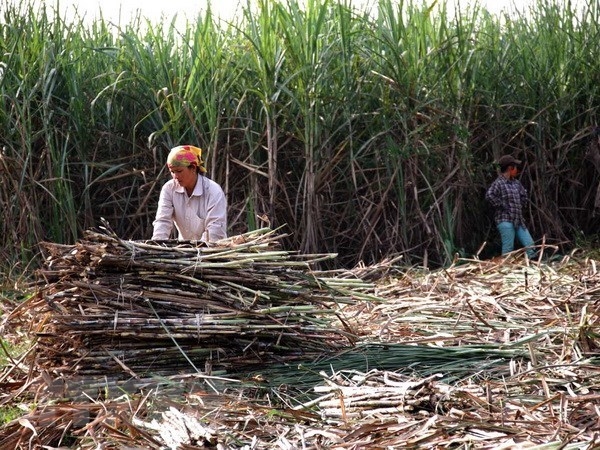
(107, 302)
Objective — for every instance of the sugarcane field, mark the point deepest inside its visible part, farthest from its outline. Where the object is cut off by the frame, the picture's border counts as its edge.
(299, 224)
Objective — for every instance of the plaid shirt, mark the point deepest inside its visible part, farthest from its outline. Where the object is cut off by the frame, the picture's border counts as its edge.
(508, 198)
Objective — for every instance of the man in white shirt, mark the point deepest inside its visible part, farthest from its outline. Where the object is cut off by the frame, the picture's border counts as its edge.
(196, 205)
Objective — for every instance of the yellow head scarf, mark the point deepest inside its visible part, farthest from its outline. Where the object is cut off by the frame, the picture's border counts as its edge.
(185, 156)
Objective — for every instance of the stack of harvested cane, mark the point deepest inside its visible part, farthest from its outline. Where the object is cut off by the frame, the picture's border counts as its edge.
(144, 307)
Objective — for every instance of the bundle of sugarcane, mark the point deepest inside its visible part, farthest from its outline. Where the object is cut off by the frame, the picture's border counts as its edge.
(147, 306)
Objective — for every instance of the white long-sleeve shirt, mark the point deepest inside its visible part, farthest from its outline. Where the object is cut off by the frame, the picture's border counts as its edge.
(201, 216)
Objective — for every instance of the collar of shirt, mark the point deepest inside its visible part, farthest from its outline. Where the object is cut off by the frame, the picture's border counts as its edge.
(198, 189)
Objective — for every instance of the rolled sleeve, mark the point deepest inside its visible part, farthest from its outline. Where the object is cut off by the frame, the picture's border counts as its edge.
(216, 215)
(163, 223)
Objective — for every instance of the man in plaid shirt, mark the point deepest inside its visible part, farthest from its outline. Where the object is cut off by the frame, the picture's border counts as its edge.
(508, 196)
